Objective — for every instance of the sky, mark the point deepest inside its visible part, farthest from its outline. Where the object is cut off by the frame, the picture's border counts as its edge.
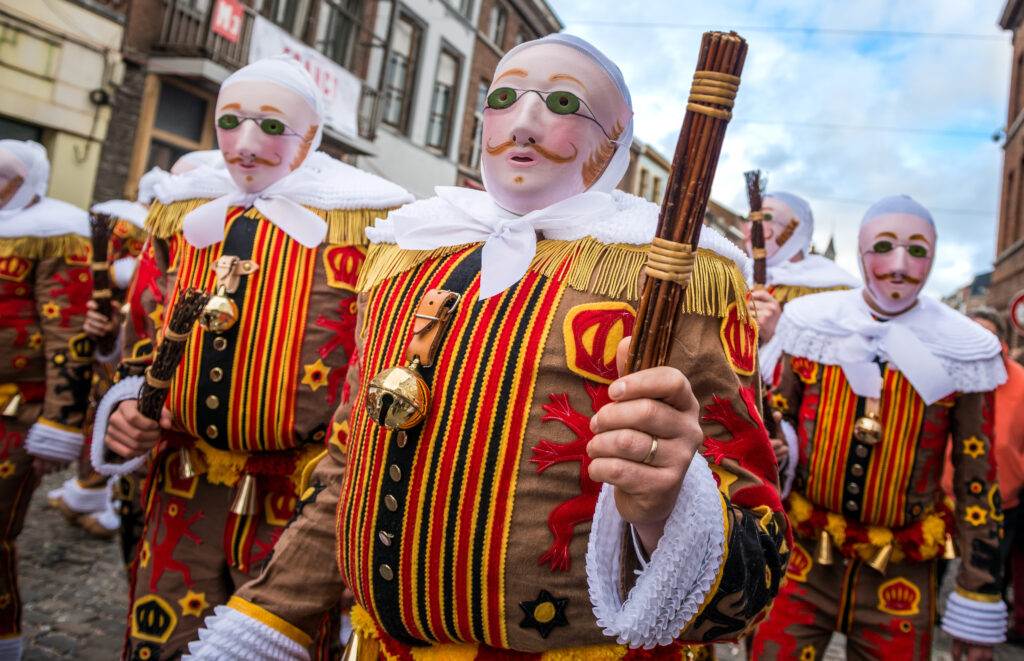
(841, 103)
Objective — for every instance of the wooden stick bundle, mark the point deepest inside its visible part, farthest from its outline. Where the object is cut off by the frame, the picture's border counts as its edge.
(670, 263)
(755, 189)
(186, 311)
(101, 226)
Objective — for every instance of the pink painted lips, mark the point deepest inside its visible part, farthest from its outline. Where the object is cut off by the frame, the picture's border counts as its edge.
(521, 159)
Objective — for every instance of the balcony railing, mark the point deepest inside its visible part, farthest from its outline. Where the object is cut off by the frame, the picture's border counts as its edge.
(186, 32)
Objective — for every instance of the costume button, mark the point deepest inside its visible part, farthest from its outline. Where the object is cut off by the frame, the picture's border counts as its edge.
(385, 538)
(852, 505)
(857, 470)
(390, 502)
(395, 472)
(212, 401)
(853, 488)
(212, 431)
(216, 374)
(220, 343)
(401, 439)
(861, 451)
(386, 573)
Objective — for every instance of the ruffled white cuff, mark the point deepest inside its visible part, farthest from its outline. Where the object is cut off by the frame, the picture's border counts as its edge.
(677, 578)
(48, 441)
(10, 648)
(794, 457)
(980, 622)
(112, 358)
(126, 388)
(230, 635)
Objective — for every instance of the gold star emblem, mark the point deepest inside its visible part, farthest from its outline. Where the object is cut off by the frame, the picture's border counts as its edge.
(975, 515)
(157, 315)
(780, 402)
(6, 469)
(316, 375)
(51, 310)
(145, 554)
(193, 603)
(808, 653)
(973, 447)
(35, 340)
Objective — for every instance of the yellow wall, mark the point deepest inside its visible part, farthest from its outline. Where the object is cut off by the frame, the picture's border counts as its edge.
(52, 54)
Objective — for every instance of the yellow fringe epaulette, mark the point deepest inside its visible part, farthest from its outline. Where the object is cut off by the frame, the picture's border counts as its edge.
(43, 247)
(786, 293)
(611, 270)
(344, 226)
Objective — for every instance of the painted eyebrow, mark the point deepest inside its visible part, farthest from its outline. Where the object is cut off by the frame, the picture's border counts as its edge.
(919, 237)
(232, 106)
(270, 109)
(565, 76)
(891, 235)
(522, 73)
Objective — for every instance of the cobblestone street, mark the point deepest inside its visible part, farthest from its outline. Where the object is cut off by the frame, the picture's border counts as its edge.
(75, 593)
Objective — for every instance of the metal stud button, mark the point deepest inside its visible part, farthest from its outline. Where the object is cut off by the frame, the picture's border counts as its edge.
(390, 502)
(386, 573)
(861, 451)
(212, 431)
(216, 374)
(220, 343)
(856, 470)
(401, 439)
(395, 472)
(852, 505)
(385, 538)
(853, 488)
(212, 402)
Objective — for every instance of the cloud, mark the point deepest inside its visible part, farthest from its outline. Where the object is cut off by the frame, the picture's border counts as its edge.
(794, 80)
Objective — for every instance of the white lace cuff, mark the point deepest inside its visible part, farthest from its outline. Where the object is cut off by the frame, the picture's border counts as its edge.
(677, 578)
(48, 440)
(794, 457)
(980, 622)
(126, 388)
(230, 635)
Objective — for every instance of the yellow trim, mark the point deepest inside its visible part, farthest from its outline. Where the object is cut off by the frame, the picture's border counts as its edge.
(977, 596)
(282, 626)
(307, 471)
(42, 247)
(58, 426)
(227, 467)
(786, 293)
(611, 270)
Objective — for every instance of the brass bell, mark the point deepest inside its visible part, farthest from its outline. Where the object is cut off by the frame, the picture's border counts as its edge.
(949, 548)
(186, 470)
(867, 429)
(824, 553)
(245, 502)
(220, 312)
(361, 648)
(398, 397)
(880, 560)
(13, 406)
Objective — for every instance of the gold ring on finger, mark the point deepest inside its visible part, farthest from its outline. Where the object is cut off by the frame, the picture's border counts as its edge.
(653, 451)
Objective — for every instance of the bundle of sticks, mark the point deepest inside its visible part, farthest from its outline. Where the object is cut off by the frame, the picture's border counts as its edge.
(755, 191)
(186, 311)
(686, 197)
(101, 225)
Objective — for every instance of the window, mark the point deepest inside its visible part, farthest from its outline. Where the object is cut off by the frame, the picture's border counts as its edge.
(183, 122)
(496, 29)
(464, 6)
(338, 30)
(522, 36)
(473, 158)
(281, 12)
(442, 106)
(644, 176)
(405, 46)
(656, 190)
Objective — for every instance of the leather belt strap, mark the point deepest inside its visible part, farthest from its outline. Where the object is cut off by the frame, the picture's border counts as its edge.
(872, 407)
(430, 319)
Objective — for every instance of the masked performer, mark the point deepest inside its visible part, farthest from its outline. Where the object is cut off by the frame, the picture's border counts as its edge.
(873, 383)
(45, 373)
(276, 235)
(473, 524)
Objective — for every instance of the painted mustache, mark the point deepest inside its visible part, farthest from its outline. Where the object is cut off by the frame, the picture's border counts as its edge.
(254, 159)
(890, 276)
(546, 153)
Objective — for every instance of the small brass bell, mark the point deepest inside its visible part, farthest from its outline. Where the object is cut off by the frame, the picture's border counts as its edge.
(220, 313)
(186, 470)
(824, 554)
(361, 648)
(13, 406)
(867, 429)
(880, 560)
(245, 502)
(398, 397)
(949, 549)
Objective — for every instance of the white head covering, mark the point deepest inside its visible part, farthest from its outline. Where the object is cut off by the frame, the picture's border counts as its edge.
(619, 162)
(204, 157)
(148, 183)
(284, 71)
(800, 241)
(896, 204)
(33, 156)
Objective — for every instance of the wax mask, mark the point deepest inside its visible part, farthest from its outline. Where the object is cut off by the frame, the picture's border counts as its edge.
(779, 225)
(550, 126)
(896, 252)
(264, 131)
(12, 174)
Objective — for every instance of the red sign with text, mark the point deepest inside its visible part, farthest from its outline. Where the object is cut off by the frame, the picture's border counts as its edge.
(227, 19)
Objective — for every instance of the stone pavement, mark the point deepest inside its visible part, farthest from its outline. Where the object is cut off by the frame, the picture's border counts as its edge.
(75, 593)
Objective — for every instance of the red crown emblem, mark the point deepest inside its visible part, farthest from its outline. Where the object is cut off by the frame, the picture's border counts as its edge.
(899, 597)
(342, 265)
(739, 339)
(799, 564)
(807, 370)
(14, 268)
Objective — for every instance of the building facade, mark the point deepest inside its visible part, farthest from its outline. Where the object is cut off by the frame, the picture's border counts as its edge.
(1008, 268)
(60, 62)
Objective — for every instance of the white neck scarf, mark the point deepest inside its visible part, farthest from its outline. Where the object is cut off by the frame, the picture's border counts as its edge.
(510, 241)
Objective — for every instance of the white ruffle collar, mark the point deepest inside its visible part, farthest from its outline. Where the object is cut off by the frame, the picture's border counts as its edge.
(812, 271)
(133, 212)
(47, 217)
(939, 350)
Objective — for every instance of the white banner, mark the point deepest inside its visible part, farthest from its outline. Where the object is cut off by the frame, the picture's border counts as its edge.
(341, 88)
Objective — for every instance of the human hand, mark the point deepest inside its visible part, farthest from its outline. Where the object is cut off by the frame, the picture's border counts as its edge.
(767, 311)
(131, 434)
(100, 325)
(964, 650)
